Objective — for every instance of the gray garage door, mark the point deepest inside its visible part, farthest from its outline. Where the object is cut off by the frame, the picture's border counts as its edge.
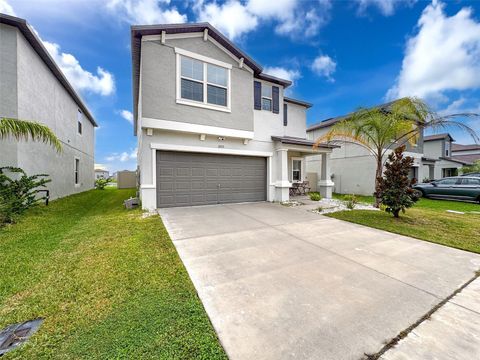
(185, 179)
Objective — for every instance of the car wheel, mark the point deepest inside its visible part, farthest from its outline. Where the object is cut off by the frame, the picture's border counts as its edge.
(420, 193)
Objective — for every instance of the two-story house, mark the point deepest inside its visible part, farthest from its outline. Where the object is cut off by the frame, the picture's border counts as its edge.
(353, 167)
(440, 147)
(32, 87)
(211, 126)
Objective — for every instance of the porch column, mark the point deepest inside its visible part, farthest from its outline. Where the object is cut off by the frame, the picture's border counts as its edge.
(282, 185)
(325, 184)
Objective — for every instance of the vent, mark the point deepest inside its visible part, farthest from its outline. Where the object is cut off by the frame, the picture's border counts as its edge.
(15, 335)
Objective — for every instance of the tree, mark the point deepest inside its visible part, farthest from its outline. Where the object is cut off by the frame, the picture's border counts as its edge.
(475, 167)
(380, 129)
(394, 187)
(21, 129)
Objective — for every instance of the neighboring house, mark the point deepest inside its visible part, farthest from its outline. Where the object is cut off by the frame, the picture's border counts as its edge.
(101, 174)
(211, 126)
(353, 167)
(440, 148)
(32, 87)
(467, 153)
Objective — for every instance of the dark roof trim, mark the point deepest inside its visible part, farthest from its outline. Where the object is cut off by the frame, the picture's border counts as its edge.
(437, 137)
(456, 160)
(298, 102)
(40, 49)
(299, 141)
(330, 121)
(137, 31)
(273, 79)
(428, 159)
(461, 147)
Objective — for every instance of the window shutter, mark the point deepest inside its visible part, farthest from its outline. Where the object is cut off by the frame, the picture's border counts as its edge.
(257, 95)
(285, 119)
(275, 99)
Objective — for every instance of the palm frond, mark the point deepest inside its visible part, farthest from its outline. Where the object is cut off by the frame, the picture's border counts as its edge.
(21, 129)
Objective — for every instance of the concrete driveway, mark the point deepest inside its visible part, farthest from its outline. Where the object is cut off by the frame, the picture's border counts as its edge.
(282, 283)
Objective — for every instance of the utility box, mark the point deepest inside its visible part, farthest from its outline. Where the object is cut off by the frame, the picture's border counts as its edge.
(126, 179)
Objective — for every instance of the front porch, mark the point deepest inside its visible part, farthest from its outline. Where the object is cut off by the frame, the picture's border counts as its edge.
(291, 156)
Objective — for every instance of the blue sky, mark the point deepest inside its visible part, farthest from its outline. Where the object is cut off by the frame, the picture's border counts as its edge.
(340, 54)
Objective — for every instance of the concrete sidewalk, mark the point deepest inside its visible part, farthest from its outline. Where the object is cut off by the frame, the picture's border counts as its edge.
(281, 283)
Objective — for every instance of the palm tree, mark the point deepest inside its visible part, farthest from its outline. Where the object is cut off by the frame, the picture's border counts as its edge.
(380, 129)
(21, 129)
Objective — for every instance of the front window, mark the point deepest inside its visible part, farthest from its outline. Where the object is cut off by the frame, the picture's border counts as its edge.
(203, 82)
(267, 98)
(296, 170)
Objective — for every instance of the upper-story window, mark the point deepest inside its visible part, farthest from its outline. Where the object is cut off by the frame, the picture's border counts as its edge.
(202, 82)
(447, 148)
(79, 122)
(267, 98)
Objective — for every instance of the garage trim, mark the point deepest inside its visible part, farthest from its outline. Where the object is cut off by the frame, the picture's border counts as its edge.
(208, 150)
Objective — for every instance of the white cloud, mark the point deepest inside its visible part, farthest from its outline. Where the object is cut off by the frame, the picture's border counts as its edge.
(146, 11)
(386, 7)
(236, 18)
(232, 18)
(283, 73)
(127, 115)
(102, 83)
(323, 65)
(122, 157)
(6, 8)
(444, 55)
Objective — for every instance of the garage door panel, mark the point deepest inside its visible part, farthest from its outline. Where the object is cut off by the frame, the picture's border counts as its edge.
(199, 179)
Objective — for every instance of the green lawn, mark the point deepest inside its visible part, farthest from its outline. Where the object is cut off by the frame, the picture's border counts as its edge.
(108, 283)
(427, 220)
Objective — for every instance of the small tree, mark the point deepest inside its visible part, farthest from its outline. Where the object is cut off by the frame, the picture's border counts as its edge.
(18, 192)
(395, 188)
(101, 183)
(475, 167)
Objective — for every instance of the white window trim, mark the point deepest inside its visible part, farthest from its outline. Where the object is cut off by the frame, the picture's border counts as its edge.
(74, 171)
(301, 169)
(206, 60)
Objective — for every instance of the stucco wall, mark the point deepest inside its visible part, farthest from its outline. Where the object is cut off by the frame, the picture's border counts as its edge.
(8, 90)
(434, 149)
(353, 167)
(296, 120)
(158, 86)
(42, 98)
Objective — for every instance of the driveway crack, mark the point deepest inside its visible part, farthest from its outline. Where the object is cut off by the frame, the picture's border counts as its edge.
(404, 333)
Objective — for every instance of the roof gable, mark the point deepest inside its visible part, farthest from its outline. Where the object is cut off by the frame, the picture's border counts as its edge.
(37, 45)
(208, 31)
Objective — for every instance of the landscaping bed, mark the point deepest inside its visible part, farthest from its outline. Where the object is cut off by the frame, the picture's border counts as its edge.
(108, 282)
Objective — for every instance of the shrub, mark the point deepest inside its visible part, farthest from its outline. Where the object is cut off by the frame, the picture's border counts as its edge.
(351, 200)
(315, 196)
(101, 183)
(395, 187)
(18, 192)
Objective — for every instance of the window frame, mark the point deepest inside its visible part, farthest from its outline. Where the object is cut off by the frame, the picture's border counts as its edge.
(267, 98)
(205, 60)
(447, 148)
(76, 171)
(301, 169)
(79, 122)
